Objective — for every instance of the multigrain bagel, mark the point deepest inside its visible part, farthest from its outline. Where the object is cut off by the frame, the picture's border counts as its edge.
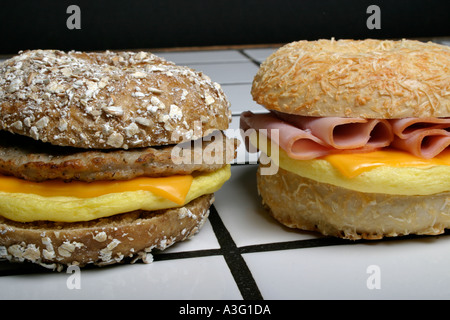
(332, 169)
(105, 156)
(348, 78)
(107, 100)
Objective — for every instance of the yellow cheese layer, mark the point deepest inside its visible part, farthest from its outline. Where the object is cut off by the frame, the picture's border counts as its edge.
(174, 188)
(386, 171)
(74, 204)
(352, 165)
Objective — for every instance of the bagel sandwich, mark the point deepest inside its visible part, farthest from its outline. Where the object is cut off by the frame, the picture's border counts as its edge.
(99, 156)
(358, 131)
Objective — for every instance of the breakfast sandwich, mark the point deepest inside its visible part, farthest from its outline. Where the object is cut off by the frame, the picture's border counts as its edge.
(359, 133)
(106, 156)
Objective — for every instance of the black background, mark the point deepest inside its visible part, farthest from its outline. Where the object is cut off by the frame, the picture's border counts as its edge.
(176, 23)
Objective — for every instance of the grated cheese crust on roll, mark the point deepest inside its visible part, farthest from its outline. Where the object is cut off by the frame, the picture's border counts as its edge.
(99, 155)
(360, 132)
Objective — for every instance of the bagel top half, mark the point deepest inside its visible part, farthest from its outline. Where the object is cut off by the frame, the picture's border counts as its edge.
(356, 78)
(107, 100)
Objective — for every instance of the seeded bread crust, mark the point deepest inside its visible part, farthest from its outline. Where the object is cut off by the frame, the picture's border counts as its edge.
(126, 237)
(107, 100)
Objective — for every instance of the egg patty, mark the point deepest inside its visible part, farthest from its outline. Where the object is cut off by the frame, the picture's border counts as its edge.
(27, 207)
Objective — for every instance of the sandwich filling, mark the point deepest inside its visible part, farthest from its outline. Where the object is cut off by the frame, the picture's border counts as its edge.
(25, 201)
(312, 137)
(384, 168)
(40, 181)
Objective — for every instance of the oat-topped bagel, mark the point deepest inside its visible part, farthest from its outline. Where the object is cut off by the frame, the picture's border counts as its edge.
(92, 170)
(356, 78)
(107, 100)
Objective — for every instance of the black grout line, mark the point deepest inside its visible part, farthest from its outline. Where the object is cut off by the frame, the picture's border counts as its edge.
(296, 244)
(236, 263)
(256, 62)
(327, 241)
(21, 268)
(161, 256)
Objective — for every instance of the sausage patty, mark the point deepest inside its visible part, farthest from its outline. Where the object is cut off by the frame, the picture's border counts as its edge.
(34, 160)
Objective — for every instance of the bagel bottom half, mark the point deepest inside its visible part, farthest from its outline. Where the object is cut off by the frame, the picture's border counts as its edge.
(303, 203)
(128, 236)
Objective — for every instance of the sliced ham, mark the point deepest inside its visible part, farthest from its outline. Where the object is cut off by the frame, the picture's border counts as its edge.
(403, 128)
(312, 137)
(345, 133)
(298, 143)
(422, 137)
(309, 137)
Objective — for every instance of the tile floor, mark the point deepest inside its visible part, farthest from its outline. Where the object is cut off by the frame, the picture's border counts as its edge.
(242, 253)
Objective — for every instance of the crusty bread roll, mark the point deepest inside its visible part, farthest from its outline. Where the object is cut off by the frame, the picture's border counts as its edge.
(105, 241)
(348, 78)
(107, 100)
(303, 203)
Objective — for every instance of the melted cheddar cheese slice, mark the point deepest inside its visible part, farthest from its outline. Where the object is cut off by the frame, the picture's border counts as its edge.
(352, 165)
(174, 188)
(64, 202)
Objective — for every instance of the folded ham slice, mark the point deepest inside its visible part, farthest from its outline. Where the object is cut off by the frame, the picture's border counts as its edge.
(403, 128)
(298, 143)
(345, 133)
(422, 137)
(310, 137)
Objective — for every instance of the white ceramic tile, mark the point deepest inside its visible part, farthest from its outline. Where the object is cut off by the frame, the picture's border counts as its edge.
(193, 278)
(397, 269)
(241, 99)
(242, 156)
(228, 73)
(205, 239)
(208, 56)
(260, 54)
(240, 208)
